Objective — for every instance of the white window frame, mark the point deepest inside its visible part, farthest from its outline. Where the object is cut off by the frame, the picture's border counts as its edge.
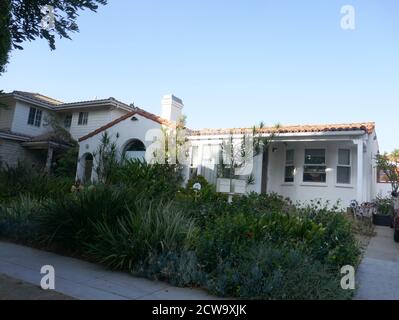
(314, 165)
(83, 118)
(36, 121)
(350, 165)
(289, 164)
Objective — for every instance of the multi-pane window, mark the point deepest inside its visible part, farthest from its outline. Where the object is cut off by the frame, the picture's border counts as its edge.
(315, 167)
(344, 166)
(68, 120)
(35, 117)
(83, 118)
(289, 171)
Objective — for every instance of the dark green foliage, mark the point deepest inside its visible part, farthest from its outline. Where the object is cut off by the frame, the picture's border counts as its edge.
(180, 268)
(262, 203)
(17, 219)
(70, 221)
(5, 35)
(158, 180)
(384, 205)
(66, 164)
(144, 222)
(146, 229)
(21, 180)
(267, 272)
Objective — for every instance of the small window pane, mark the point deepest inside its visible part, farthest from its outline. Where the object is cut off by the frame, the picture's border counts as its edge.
(83, 118)
(68, 121)
(38, 118)
(314, 174)
(32, 115)
(315, 156)
(344, 157)
(289, 174)
(344, 175)
(289, 158)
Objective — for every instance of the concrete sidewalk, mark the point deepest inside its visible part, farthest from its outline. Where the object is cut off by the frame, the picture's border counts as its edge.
(378, 274)
(87, 281)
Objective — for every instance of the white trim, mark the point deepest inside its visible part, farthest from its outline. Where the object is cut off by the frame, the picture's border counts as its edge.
(314, 184)
(346, 186)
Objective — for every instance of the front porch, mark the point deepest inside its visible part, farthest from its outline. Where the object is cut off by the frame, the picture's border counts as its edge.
(331, 166)
(326, 169)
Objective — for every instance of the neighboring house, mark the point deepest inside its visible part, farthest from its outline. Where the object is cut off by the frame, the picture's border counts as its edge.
(26, 125)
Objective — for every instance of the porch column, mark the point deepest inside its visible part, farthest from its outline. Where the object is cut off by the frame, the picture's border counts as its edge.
(359, 185)
(49, 160)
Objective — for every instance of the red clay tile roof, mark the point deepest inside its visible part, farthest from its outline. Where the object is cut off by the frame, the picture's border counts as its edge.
(368, 127)
(138, 111)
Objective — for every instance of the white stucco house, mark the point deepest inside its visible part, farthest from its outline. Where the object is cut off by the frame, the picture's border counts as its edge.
(333, 162)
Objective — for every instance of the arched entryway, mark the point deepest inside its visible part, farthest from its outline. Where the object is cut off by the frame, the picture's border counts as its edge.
(134, 149)
(87, 167)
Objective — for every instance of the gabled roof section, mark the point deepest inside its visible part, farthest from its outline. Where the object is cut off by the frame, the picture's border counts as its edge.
(56, 105)
(38, 97)
(95, 103)
(136, 111)
(368, 127)
(14, 136)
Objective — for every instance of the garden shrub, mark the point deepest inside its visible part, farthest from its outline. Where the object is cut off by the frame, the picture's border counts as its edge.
(22, 180)
(180, 268)
(384, 205)
(278, 273)
(68, 221)
(18, 219)
(261, 203)
(159, 180)
(147, 229)
(337, 246)
(258, 247)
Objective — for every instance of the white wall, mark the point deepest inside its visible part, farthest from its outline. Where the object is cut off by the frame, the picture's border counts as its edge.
(126, 130)
(20, 120)
(97, 118)
(302, 191)
(384, 189)
(6, 116)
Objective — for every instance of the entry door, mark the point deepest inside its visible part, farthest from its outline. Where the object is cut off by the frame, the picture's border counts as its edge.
(265, 166)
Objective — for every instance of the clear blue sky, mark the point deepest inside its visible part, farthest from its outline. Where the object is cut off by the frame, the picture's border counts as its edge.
(234, 63)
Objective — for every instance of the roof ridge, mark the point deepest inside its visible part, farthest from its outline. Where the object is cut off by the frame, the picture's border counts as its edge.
(136, 110)
(369, 127)
(37, 96)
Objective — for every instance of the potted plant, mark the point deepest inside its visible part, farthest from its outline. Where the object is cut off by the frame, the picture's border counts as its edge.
(389, 164)
(384, 212)
(395, 197)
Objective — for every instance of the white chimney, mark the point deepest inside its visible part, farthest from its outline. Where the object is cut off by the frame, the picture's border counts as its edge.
(172, 108)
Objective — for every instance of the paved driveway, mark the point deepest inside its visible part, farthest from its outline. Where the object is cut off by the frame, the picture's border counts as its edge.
(378, 274)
